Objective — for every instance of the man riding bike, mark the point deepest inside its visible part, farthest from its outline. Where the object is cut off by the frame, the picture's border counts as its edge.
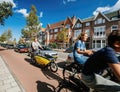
(100, 60)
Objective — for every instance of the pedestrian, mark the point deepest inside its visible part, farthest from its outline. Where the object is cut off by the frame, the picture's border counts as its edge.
(101, 60)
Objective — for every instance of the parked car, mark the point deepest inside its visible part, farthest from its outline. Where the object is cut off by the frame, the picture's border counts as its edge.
(48, 51)
(10, 46)
(69, 50)
(21, 48)
(70, 57)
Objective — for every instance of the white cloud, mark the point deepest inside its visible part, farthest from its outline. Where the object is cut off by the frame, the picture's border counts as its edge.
(41, 14)
(101, 9)
(41, 24)
(64, 2)
(11, 1)
(67, 1)
(116, 6)
(107, 8)
(22, 11)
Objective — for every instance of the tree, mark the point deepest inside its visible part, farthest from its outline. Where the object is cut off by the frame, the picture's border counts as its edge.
(9, 34)
(5, 11)
(32, 26)
(62, 35)
(6, 36)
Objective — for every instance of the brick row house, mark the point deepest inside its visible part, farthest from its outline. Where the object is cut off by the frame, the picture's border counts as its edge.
(53, 29)
(97, 27)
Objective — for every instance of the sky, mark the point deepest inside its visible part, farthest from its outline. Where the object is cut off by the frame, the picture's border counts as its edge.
(52, 11)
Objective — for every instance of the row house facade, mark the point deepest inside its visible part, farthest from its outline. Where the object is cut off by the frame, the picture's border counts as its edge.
(53, 29)
(97, 27)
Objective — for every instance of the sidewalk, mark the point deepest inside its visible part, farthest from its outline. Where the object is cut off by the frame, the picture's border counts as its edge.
(8, 81)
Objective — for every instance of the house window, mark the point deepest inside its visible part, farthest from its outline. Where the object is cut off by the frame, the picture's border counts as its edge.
(99, 21)
(67, 26)
(114, 18)
(78, 25)
(77, 33)
(55, 30)
(51, 36)
(99, 31)
(50, 31)
(114, 27)
(103, 20)
(88, 32)
(55, 36)
(87, 24)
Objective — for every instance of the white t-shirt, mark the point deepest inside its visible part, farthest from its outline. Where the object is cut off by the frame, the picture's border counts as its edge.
(36, 45)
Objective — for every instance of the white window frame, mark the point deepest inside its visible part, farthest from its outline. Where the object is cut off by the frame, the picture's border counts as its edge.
(99, 31)
(87, 24)
(114, 28)
(88, 32)
(77, 33)
(55, 30)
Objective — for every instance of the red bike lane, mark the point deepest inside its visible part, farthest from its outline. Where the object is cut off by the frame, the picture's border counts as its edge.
(32, 78)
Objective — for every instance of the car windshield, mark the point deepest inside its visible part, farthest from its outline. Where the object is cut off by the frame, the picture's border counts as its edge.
(46, 48)
(21, 46)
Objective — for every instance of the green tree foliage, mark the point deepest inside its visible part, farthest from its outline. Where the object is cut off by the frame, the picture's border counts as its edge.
(5, 11)
(6, 36)
(53, 45)
(33, 24)
(9, 34)
(26, 33)
(62, 35)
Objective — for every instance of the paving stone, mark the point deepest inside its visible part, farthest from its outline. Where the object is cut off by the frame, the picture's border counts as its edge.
(8, 82)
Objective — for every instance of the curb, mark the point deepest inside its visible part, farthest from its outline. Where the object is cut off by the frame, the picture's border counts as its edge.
(13, 75)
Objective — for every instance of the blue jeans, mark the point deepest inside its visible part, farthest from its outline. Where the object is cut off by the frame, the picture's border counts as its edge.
(99, 83)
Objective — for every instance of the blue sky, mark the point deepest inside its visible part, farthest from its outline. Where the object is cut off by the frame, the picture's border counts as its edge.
(51, 11)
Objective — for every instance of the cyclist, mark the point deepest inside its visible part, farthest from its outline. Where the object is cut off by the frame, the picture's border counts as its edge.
(100, 60)
(35, 46)
(80, 51)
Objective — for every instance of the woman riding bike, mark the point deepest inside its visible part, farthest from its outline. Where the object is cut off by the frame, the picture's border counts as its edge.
(100, 60)
(80, 51)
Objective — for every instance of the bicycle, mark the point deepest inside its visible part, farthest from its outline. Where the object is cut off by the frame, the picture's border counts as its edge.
(71, 70)
(72, 83)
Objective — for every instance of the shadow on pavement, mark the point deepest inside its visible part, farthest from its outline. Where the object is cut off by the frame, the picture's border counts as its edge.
(51, 75)
(61, 64)
(30, 62)
(44, 87)
(1, 49)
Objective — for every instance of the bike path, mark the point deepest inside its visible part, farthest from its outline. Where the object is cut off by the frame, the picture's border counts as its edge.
(8, 81)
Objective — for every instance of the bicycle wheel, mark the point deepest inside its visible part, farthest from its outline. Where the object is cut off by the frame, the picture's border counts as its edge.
(53, 67)
(66, 89)
(69, 71)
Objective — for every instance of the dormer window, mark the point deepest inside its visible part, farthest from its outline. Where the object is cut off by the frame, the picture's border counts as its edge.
(67, 26)
(78, 25)
(114, 18)
(99, 21)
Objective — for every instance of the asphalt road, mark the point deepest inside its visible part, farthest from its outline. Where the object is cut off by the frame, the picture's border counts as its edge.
(32, 78)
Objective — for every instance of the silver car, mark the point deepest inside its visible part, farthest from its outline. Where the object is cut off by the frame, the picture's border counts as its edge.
(48, 51)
